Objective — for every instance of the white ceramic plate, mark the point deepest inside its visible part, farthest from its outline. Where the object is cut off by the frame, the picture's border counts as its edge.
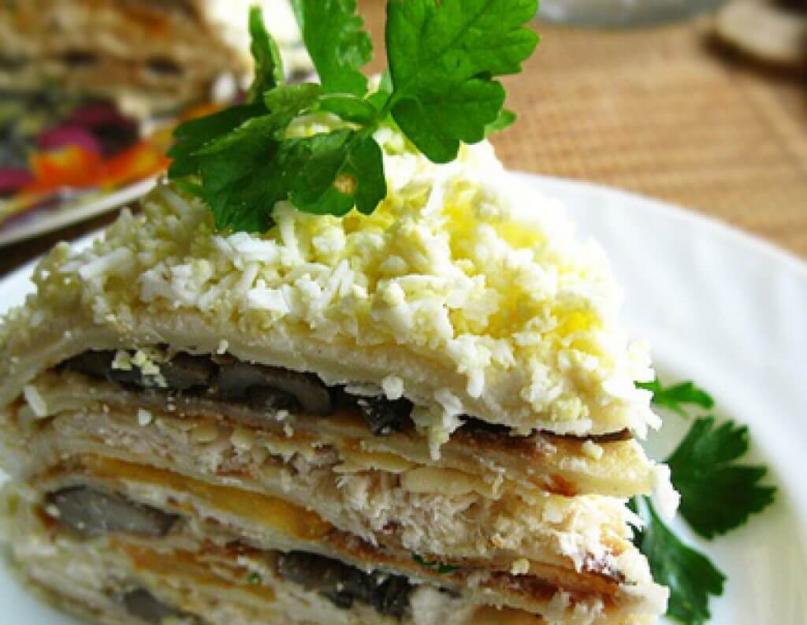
(69, 214)
(719, 307)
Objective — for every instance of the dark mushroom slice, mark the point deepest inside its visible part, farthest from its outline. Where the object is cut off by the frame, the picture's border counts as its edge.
(236, 380)
(186, 371)
(93, 363)
(385, 416)
(79, 58)
(182, 372)
(392, 596)
(163, 66)
(343, 584)
(90, 512)
(141, 604)
(265, 399)
(12, 63)
(99, 364)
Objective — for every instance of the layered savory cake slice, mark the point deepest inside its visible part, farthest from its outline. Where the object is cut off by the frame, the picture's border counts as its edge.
(147, 54)
(424, 415)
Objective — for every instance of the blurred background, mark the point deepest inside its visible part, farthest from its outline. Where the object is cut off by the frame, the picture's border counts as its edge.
(699, 102)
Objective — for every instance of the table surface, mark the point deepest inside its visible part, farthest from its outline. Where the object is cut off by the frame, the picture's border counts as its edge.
(662, 111)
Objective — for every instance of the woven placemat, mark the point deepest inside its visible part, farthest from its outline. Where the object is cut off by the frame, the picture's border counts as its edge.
(661, 112)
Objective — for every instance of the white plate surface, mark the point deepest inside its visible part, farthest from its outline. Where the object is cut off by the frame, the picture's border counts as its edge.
(718, 307)
(73, 214)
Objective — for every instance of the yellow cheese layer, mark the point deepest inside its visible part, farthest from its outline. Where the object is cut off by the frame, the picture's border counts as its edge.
(188, 565)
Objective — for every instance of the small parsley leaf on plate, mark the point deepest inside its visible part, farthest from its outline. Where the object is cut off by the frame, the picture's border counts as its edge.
(675, 397)
(691, 577)
(337, 43)
(443, 58)
(717, 495)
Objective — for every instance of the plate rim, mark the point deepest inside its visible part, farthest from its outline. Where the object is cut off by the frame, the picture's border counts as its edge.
(77, 213)
(681, 212)
(678, 211)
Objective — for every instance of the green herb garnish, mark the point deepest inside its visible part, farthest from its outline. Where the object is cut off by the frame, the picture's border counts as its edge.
(443, 59)
(254, 578)
(717, 495)
(337, 43)
(675, 397)
(690, 575)
(439, 567)
(440, 90)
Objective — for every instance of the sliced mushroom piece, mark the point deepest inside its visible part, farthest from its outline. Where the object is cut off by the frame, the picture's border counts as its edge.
(392, 596)
(343, 584)
(11, 63)
(186, 371)
(324, 575)
(182, 372)
(99, 364)
(79, 58)
(163, 66)
(265, 399)
(340, 599)
(236, 379)
(141, 604)
(95, 364)
(385, 416)
(90, 512)
(128, 377)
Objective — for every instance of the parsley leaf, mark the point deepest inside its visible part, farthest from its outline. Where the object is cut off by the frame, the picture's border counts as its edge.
(504, 120)
(674, 397)
(239, 177)
(334, 171)
(442, 60)
(336, 42)
(442, 569)
(191, 136)
(716, 495)
(289, 101)
(349, 107)
(233, 176)
(691, 577)
(268, 65)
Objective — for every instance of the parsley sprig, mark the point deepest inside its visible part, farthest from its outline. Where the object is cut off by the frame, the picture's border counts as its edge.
(717, 495)
(691, 577)
(677, 396)
(440, 90)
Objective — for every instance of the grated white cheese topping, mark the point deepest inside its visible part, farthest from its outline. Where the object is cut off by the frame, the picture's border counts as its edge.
(459, 265)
